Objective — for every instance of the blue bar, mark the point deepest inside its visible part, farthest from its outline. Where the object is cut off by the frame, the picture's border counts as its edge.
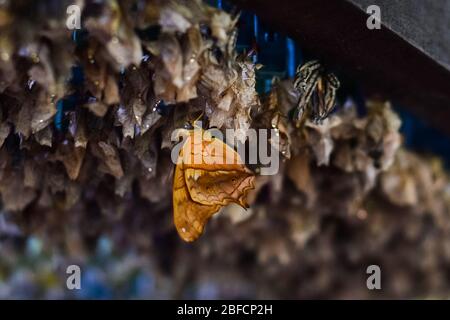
(290, 57)
(255, 33)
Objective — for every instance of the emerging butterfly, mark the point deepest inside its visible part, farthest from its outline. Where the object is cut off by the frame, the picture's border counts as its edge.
(209, 175)
(317, 91)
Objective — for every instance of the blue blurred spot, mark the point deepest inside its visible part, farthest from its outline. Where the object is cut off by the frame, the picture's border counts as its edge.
(93, 285)
(79, 37)
(62, 106)
(77, 76)
(33, 246)
(104, 246)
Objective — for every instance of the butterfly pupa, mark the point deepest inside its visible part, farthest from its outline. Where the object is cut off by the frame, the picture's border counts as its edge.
(209, 174)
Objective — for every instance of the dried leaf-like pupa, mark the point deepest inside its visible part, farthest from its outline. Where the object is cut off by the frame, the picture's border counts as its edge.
(208, 175)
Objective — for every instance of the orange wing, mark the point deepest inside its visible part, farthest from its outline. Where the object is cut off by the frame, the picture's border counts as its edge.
(204, 182)
(219, 187)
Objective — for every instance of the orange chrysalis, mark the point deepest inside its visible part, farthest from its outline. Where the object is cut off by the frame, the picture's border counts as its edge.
(209, 175)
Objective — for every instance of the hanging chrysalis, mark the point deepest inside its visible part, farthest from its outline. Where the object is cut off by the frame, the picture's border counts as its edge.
(317, 92)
